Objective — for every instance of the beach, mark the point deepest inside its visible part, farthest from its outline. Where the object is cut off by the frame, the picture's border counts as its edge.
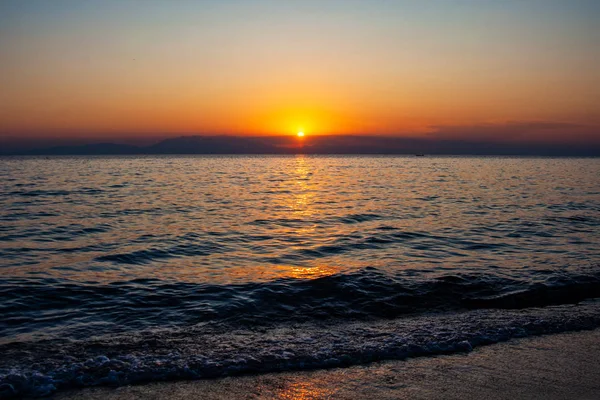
(560, 366)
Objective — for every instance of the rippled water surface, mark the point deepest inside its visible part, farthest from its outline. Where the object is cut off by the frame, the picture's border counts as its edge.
(198, 247)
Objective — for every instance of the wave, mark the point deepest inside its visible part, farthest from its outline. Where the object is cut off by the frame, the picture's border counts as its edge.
(362, 295)
(178, 250)
(201, 352)
(381, 238)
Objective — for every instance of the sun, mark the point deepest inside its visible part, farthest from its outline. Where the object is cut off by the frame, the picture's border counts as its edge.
(300, 134)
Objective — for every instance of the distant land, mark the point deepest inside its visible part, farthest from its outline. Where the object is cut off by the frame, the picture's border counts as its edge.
(332, 144)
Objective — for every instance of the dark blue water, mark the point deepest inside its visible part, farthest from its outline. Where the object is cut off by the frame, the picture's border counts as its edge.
(126, 270)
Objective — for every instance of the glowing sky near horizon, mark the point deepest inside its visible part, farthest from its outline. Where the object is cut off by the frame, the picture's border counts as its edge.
(76, 68)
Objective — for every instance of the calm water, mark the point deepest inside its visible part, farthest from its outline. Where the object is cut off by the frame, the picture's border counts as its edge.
(120, 270)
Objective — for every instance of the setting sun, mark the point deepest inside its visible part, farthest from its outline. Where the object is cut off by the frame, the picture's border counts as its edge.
(300, 134)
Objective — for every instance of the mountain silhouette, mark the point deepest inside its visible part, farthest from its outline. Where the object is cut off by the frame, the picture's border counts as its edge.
(211, 145)
(331, 144)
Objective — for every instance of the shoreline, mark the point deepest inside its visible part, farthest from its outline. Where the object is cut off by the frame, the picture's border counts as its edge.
(557, 366)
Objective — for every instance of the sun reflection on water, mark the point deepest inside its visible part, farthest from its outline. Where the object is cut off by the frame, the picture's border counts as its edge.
(303, 193)
(272, 272)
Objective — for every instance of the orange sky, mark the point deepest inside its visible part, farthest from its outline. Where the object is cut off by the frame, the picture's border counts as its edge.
(262, 67)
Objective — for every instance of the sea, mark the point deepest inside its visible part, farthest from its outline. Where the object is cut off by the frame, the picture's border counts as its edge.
(125, 270)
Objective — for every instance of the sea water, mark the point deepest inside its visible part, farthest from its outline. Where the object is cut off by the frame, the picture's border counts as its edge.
(119, 270)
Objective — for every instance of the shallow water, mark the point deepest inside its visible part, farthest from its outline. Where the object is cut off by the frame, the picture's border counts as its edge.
(165, 250)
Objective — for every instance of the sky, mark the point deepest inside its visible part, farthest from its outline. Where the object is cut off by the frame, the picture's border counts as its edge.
(495, 71)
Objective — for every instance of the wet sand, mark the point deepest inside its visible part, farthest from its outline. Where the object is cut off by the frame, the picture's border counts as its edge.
(562, 366)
